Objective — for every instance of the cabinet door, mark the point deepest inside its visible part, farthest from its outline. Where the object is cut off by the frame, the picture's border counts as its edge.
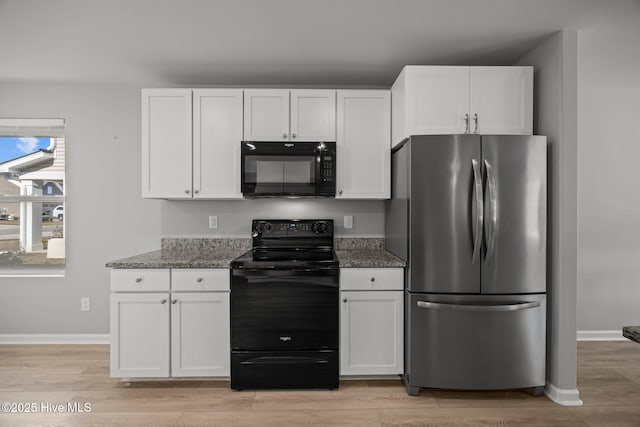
(371, 333)
(437, 100)
(363, 144)
(313, 115)
(140, 335)
(166, 143)
(200, 334)
(266, 115)
(217, 133)
(502, 98)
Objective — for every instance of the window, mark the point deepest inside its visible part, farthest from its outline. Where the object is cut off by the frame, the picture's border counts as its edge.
(32, 188)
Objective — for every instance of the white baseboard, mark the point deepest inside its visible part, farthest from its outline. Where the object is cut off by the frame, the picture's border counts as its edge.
(54, 339)
(601, 335)
(563, 396)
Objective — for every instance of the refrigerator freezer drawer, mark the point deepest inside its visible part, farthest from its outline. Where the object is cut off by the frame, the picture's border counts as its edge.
(476, 342)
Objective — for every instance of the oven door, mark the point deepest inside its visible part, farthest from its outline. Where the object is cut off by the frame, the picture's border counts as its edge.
(284, 309)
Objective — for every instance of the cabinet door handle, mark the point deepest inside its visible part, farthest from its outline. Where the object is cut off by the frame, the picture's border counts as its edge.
(344, 300)
(293, 135)
(475, 118)
(174, 301)
(186, 191)
(199, 280)
(466, 123)
(197, 191)
(373, 279)
(163, 301)
(340, 192)
(138, 279)
(284, 135)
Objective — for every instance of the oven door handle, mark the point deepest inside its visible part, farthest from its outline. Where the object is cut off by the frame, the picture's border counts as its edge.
(273, 272)
(274, 360)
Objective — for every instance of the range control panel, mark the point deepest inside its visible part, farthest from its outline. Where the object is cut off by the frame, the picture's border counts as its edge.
(284, 228)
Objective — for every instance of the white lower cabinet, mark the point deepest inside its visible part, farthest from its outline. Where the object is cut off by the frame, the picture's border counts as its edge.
(159, 333)
(371, 322)
(200, 334)
(140, 334)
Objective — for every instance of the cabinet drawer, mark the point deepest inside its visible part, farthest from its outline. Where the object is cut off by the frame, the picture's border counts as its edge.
(357, 279)
(140, 280)
(194, 279)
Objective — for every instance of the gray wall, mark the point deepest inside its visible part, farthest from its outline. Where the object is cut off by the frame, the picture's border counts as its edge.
(608, 172)
(555, 63)
(106, 217)
(234, 216)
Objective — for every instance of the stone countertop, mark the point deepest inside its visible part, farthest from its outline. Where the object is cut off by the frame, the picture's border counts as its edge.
(351, 258)
(219, 252)
(368, 258)
(157, 259)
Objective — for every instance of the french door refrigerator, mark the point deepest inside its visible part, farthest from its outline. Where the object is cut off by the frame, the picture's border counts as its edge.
(468, 214)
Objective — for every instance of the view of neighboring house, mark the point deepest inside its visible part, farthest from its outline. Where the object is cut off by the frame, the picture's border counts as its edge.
(40, 173)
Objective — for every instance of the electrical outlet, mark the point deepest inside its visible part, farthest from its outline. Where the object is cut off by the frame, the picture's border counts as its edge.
(85, 304)
(348, 221)
(213, 221)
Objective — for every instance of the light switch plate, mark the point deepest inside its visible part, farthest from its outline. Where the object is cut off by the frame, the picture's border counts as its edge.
(348, 221)
(213, 221)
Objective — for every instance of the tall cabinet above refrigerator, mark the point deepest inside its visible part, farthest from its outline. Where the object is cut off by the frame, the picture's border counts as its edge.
(468, 214)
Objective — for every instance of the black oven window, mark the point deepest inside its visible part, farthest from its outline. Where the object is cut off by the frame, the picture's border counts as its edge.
(276, 174)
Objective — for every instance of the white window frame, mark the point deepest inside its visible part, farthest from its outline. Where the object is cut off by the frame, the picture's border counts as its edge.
(41, 128)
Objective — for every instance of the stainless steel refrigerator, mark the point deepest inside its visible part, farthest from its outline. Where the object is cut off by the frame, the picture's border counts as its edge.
(468, 214)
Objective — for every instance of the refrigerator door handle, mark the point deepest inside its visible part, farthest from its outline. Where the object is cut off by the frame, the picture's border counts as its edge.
(491, 225)
(486, 308)
(477, 231)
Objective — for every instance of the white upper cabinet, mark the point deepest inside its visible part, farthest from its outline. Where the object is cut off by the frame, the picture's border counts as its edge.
(501, 100)
(313, 115)
(289, 115)
(191, 143)
(266, 115)
(363, 144)
(450, 99)
(217, 132)
(166, 143)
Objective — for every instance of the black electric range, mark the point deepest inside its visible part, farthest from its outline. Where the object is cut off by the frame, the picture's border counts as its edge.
(285, 308)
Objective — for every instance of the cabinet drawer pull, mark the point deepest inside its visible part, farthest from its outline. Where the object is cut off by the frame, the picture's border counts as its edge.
(138, 279)
(199, 280)
(475, 118)
(373, 279)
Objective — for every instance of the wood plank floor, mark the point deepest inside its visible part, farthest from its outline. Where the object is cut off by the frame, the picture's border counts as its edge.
(608, 380)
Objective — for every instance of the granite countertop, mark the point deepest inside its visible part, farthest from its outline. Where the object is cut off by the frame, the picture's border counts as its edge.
(219, 252)
(156, 259)
(188, 253)
(368, 258)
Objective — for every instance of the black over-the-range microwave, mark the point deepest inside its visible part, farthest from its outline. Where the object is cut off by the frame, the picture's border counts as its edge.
(288, 169)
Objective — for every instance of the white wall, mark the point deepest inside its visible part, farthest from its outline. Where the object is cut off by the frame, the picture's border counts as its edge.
(105, 216)
(609, 171)
(107, 219)
(555, 64)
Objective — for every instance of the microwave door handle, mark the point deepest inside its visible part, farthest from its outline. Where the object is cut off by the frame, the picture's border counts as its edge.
(318, 183)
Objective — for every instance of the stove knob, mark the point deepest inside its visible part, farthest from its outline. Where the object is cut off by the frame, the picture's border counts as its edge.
(319, 227)
(267, 227)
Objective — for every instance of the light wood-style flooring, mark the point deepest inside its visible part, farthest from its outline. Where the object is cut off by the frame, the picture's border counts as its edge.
(608, 380)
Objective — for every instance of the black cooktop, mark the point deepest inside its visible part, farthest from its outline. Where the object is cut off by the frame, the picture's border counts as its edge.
(289, 244)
